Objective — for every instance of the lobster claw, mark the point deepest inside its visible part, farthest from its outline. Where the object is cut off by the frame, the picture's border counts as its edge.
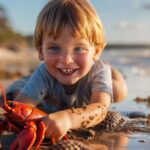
(28, 136)
(24, 140)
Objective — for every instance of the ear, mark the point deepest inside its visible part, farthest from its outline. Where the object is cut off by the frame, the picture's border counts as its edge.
(97, 53)
(40, 53)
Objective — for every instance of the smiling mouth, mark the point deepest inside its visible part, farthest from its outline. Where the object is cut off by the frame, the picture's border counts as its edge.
(67, 71)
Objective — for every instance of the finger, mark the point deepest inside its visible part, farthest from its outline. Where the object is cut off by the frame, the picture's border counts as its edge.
(57, 136)
(53, 135)
(49, 133)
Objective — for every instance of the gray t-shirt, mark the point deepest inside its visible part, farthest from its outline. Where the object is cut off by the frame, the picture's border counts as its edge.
(50, 94)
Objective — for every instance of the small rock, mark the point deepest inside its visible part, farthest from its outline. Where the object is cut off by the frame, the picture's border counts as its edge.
(142, 141)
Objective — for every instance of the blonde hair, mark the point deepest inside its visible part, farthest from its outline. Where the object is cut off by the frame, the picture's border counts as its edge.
(77, 15)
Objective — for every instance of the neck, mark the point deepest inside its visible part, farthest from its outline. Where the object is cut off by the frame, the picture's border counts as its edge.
(70, 89)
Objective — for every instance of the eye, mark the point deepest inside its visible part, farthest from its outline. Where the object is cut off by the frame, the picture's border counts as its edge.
(54, 49)
(79, 49)
(12, 104)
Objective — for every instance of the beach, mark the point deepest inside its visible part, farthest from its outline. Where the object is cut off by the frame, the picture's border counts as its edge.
(132, 63)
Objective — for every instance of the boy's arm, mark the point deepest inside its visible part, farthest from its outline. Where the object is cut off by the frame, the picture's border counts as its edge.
(58, 123)
(91, 114)
(85, 116)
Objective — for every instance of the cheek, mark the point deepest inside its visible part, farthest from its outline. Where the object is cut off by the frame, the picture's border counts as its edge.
(50, 59)
(84, 62)
(81, 60)
(50, 62)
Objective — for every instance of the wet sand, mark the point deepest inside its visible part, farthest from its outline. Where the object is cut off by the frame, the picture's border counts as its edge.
(102, 141)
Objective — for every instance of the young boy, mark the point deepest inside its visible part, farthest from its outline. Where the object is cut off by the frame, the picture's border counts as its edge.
(72, 84)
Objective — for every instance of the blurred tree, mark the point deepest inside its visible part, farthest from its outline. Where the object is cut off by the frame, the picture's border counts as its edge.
(3, 19)
(8, 37)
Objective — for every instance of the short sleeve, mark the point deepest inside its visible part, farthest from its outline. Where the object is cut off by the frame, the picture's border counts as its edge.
(38, 85)
(102, 80)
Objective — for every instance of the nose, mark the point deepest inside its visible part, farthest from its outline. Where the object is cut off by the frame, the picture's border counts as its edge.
(66, 58)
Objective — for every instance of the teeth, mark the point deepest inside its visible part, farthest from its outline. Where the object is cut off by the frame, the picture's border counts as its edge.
(67, 70)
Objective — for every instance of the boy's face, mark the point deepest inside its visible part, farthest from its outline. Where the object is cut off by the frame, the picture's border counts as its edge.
(67, 59)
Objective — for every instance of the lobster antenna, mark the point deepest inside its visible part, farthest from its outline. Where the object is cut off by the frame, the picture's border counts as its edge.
(3, 94)
(6, 107)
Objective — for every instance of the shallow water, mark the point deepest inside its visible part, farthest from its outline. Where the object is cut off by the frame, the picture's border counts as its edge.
(124, 141)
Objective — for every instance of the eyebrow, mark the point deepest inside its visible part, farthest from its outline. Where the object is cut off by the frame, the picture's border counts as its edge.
(52, 43)
(82, 44)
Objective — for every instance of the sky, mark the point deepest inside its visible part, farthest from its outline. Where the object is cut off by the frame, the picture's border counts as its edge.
(124, 21)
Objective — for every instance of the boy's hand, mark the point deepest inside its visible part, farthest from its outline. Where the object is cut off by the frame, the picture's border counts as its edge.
(57, 124)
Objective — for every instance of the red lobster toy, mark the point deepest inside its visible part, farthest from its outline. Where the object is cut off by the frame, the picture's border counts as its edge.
(25, 121)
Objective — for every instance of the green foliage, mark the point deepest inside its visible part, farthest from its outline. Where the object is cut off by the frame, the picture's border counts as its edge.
(3, 19)
(8, 37)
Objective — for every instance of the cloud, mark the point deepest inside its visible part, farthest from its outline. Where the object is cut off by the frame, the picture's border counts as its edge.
(127, 25)
(145, 6)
